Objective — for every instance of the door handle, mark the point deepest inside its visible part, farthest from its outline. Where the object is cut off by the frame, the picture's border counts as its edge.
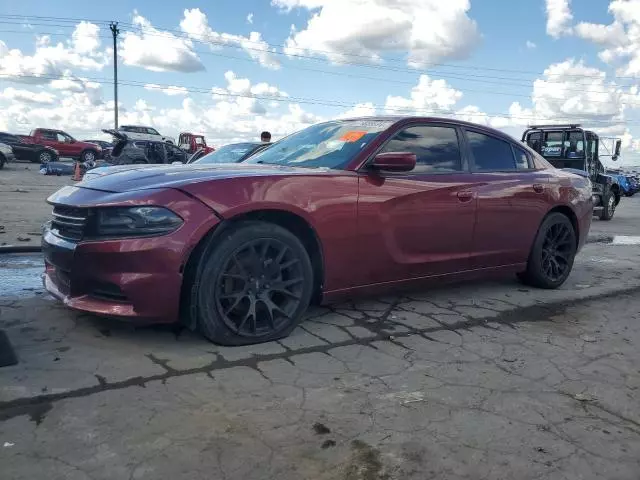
(538, 187)
(465, 196)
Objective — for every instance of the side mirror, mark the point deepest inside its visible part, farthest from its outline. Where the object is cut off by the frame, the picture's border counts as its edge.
(395, 162)
(616, 154)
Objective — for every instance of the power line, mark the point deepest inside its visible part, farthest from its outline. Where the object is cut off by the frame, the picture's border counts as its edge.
(164, 31)
(333, 103)
(457, 76)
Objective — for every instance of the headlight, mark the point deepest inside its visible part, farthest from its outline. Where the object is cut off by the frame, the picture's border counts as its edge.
(135, 221)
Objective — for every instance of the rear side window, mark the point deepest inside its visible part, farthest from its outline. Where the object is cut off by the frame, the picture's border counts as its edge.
(48, 135)
(436, 148)
(490, 154)
(522, 159)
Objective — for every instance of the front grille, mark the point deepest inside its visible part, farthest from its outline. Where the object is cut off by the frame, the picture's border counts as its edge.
(69, 222)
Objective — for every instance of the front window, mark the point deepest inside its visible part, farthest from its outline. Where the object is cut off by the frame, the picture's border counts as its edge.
(326, 145)
(199, 140)
(152, 131)
(228, 154)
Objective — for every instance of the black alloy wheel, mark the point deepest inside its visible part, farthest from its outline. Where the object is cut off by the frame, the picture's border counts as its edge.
(552, 254)
(557, 251)
(254, 285)
(259, 288)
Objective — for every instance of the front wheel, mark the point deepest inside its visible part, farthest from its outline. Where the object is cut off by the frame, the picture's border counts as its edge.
(2, 161)
(608, 206)
(252, 285)
(553, 252)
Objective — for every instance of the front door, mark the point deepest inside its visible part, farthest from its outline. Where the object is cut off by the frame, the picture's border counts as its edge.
(420, 223)
(513, 198)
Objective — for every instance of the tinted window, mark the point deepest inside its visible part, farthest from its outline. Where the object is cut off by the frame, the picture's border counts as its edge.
(151, 131)
(574, 145)
(490, 153)
(522, 159)
(48, 135)
(436, 148)
(552, 146)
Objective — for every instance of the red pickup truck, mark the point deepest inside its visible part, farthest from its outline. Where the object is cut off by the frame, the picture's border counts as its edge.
(65, 144)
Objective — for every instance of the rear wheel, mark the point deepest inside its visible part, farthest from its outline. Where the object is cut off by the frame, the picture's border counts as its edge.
(253, 285)
(608, 206)
(553, 252)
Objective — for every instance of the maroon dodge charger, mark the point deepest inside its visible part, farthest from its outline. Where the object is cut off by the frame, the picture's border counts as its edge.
(341, 208)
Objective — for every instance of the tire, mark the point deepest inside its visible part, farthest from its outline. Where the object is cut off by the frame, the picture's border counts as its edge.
(608, 206)
(88, 156)
(546, 252)
(2, 161)
(253, 284)
(44, 156)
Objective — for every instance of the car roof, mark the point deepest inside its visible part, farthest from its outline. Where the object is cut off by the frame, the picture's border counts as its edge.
(400, 119)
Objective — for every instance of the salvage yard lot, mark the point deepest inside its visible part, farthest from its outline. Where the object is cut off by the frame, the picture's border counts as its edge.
(480, 380)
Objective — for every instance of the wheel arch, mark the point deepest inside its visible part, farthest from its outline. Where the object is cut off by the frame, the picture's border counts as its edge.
(569, 213)
(292, 222)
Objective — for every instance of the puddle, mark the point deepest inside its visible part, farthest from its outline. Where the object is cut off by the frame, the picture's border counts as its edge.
(625, 240)
(615, 239)
(21, 275)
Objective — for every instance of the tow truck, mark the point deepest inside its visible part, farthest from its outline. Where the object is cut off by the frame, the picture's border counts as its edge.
(570, 147)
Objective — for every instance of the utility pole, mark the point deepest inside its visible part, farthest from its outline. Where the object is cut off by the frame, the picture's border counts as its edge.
(115, 32)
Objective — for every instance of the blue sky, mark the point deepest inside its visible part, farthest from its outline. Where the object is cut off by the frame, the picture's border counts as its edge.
(490, 60)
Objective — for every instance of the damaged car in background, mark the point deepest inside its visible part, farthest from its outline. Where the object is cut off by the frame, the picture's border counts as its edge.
(129, 151)
(234, 153)
(239, 251)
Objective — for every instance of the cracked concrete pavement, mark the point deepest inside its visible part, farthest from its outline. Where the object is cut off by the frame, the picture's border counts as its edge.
(480, 380)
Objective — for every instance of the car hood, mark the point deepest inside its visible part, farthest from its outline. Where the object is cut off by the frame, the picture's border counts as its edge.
(142, 177)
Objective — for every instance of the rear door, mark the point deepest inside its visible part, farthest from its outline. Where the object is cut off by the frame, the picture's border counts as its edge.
(513, 197)
(419, 223)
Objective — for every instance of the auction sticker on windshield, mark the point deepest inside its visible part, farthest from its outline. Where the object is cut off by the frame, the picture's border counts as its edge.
(372, 125)
(353, 136)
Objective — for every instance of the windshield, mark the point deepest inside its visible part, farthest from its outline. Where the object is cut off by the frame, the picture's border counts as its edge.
(228, 154)
(326, 145)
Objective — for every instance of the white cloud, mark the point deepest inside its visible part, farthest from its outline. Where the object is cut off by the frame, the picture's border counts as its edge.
(559, 17)
(428, 96)
(86, 38)
(196, 25)
(158, 51)
(82, 52)
(27, 96)
(429, 30)
(170, 90)
(620, 39)
(572, 91)
(250, 19)
(365, 109)
(530, 45)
